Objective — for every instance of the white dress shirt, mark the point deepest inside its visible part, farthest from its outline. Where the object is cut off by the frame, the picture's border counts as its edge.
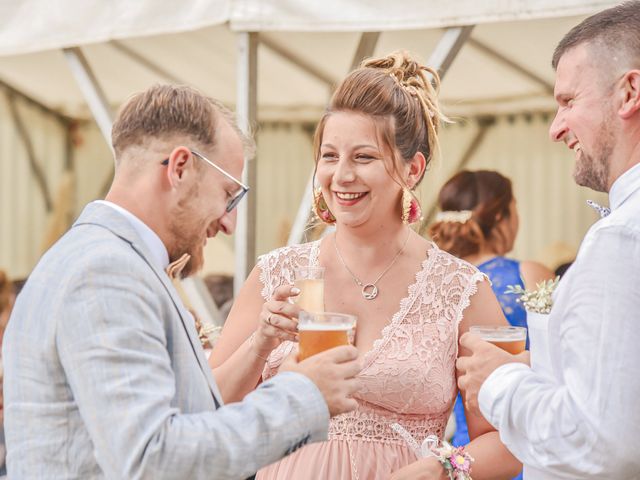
(149, 237)
(583, 419)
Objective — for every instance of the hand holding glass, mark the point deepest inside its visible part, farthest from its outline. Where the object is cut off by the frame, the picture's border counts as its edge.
(320, 331)
(510, 339)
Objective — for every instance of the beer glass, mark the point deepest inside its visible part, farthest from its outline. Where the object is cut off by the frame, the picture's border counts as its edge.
(320, 331)
(310, 281)
(510, 339)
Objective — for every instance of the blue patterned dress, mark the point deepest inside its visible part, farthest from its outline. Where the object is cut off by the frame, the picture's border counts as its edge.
(502, 272)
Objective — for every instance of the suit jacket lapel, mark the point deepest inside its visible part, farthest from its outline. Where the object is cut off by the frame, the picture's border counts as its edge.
(188, 324)
(107, 217)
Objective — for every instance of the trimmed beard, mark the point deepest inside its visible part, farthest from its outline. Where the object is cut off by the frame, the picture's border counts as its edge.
(592, 171)
(187, 237)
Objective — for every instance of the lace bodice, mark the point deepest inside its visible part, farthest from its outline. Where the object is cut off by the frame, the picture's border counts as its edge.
(409, 374)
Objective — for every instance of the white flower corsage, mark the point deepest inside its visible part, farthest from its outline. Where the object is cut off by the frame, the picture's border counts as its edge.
(538, 300)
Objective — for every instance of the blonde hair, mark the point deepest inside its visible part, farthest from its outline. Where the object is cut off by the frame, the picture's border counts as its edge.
(165, 110)
(402, 97)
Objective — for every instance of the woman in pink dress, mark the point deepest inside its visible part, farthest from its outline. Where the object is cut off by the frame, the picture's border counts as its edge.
(412, 300)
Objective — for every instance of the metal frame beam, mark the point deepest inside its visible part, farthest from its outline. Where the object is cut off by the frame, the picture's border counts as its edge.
(298, 61)
(247, 114)
(487, 50)
(65, 120)
(145, 62)
(448, 48)
(36, 169)
(95, 98)
(299, 226)
(366, 47)
(91, 90)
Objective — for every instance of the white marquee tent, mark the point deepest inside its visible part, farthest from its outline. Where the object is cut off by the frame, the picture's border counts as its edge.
(65, 62)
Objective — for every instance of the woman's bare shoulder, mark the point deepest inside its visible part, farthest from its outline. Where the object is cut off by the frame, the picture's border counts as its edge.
(534, 273)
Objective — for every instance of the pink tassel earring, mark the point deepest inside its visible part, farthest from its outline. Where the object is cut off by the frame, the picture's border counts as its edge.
(411, 211)
(321, 208)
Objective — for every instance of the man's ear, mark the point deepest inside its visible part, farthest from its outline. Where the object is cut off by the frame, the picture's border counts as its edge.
(416, 169)
(630, 94)
(180, 160)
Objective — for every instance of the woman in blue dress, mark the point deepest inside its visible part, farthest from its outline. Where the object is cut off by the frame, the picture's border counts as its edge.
(478, 222)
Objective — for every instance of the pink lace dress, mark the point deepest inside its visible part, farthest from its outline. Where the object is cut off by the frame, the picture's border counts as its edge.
(408, 377)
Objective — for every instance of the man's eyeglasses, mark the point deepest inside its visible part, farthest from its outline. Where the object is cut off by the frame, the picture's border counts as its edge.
(233, 201)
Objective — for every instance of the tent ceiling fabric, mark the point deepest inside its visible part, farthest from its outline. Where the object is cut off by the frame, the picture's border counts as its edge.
(36, 25)
(383, 15)
(205, 57)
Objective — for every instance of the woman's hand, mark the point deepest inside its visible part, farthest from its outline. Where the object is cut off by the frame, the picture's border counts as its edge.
(278, 321)
(424, 469)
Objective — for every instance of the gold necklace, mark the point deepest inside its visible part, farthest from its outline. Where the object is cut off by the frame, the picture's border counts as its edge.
(370, 290)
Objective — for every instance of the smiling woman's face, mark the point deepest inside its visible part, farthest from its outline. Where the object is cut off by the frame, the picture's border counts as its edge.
(353, 171)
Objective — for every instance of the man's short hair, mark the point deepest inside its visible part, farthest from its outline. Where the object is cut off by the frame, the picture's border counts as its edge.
(167, 110)
(617, 29)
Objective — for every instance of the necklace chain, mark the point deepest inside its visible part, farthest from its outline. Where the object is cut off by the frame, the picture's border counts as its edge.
(370, 290)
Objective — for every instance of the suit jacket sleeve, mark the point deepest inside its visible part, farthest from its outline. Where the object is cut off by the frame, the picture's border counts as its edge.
(112, 345)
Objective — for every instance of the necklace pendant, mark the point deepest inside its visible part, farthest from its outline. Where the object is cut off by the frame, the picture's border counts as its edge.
(369, 291)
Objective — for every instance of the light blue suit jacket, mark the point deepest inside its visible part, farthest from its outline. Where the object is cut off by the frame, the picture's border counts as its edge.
(105, 376)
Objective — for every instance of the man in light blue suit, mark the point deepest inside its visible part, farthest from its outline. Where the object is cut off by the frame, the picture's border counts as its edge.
(104, 373)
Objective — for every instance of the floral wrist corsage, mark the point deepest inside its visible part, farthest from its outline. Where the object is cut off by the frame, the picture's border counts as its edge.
(455, 461)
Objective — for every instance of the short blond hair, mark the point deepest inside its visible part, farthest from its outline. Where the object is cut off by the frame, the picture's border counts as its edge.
(166, 110)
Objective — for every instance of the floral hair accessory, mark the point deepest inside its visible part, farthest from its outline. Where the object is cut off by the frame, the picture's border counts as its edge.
(461, 216)
(539, 300)
(455, 461)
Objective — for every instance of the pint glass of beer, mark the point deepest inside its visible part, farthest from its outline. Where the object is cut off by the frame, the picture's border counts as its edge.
(310, 281)
(320, 331)
(510, 339)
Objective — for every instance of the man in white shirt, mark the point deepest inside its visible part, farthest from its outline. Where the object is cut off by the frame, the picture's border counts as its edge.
(104, 374)
(583, 420)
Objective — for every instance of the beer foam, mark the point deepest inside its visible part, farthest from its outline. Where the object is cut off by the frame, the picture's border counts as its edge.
(324, 327)
(505, 337)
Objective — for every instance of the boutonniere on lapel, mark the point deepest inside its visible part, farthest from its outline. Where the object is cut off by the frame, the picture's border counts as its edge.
(207, 333)
(538, 300)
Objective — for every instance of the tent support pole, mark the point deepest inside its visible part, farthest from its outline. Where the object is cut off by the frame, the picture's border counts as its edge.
(246, 111)
(91, 90)
(96, 99)
(366, 47)
(448, 48)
